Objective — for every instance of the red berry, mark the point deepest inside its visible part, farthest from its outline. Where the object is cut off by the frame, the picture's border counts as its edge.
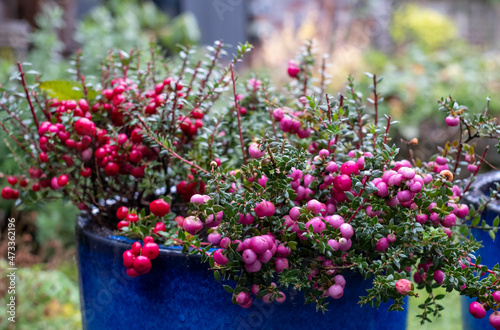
(12, 180)
(142, 264)
(148, 239)
(132, 217)
(35, 172)
(159, 207)
(84, 126)
(135, 156)
(136, 135)
(86, 172)
(62, 180)
(136, 248)
(128, 259)
(132, 272)
(137, 172)
(44, 158)
(82, 103)
(160, 226)
(111, 169)
(35, 187)
(122, 212)
(7, 193)
(197, 113)
(122, 224)
(150, 250)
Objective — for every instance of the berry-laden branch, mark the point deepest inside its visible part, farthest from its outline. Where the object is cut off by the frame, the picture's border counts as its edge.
(173, 153)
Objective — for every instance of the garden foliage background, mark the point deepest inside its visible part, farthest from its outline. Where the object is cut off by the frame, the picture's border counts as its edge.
(424, 50)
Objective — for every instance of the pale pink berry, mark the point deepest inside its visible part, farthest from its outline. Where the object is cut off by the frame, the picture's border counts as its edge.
(344, 244)
(281, 264)
(314, 206)
(340, 280)
(331, 167)
(336, 291)
(403, 286)
(317, 224)
(346, 230)
(197, 199)
(334, 220)
(254, 151)
(334, 244)
(192, 224)
(253, 268)
(225, 242)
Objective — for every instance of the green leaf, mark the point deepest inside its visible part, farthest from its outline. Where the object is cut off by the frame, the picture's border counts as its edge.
(228, 289)
(65, 90)
(496, 221)
(217, 275)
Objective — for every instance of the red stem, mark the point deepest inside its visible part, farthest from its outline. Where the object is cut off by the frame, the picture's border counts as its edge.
(28, 94)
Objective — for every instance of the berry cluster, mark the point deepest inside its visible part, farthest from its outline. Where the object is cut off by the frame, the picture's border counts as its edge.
(137, 260)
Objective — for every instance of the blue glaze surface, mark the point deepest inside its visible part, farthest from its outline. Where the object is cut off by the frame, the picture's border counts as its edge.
(491, 251)
(181, 293)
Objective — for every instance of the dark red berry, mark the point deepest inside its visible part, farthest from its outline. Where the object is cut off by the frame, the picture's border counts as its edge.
(12, 180)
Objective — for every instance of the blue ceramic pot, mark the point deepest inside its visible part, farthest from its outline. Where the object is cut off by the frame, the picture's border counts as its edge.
(491, 251)
(181, 293)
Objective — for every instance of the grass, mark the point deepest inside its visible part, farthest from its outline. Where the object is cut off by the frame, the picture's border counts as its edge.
(450, 317)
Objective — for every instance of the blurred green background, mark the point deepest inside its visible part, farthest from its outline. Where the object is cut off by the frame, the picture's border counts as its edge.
(424, 50)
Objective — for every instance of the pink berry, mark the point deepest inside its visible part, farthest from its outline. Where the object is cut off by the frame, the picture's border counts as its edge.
(382, 244)
(421, 218)
(495, 320)
(346, 230)
(334, 220)
(496, 296)
(246, 219)
(132, 272)
(281, 264)
(349, 167)
(452, 121)
(259, 244)
(438, 276)
(197, 199)
(84, 126)
(219, 257)
(340, 280)
(192, 224)
(314, 206)
(293, 69)
(477, 310)
(344, 244)
(266, 256)
(253, 268)
(334, 244)
(449, 221)
(249, 256)
(342, 182)
(265, 209)
(403, 286)
(391, 238)
(254, 151)
(336, 291)
(317, 224)
(331, 167)
(278, 114)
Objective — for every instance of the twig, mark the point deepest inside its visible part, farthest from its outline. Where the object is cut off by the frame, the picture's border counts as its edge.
(23, 80)
(477, 170)
(238, 115)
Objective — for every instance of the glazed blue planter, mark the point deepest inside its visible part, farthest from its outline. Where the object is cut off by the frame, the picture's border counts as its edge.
(181, 293)
(490, 252)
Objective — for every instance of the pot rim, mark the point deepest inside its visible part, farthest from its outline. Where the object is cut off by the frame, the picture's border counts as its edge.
(123, 242)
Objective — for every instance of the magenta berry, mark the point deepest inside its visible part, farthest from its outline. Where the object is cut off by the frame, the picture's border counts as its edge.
(438, 276)
(477, 310)
(197, 199)
(494, 320)
(496, 296)
(219, 257)
(391, 238)
(314, 206)
(281, 264)
(278, 114)
(293, 69)
(259, 244)
(349, 167)
(265, 209)
(449, 221)
(317, 224)
(84, 126)
(249, 256)
(382, 244)
(344, 244)
(452, 121)
(335, 220)
(342, 182)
